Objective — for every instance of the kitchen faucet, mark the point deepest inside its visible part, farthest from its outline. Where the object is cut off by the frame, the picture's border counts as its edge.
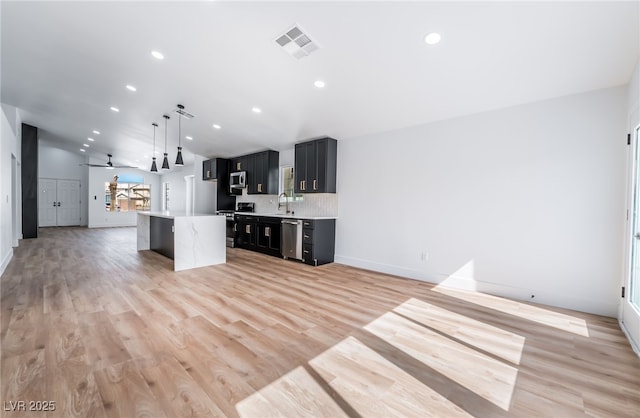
(286, 202)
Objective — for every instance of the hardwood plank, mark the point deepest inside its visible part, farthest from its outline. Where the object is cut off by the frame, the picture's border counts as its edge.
(101, 341)
(23, 379)
(72, 386)
(178, 392)
(125, 393)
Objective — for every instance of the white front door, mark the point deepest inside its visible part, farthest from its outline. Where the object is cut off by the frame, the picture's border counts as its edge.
(47, 202)
(68, 202)
(631, 301)
(58, 202)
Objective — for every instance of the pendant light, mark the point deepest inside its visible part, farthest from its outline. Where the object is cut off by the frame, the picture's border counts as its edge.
(165, 162)
(154, 167)
(179, 161)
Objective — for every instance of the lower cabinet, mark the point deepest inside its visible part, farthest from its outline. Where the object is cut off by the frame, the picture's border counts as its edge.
(264, 234)
(258, 234)
(318, 241)
(269, 231)
(246, 232)
(161, 236)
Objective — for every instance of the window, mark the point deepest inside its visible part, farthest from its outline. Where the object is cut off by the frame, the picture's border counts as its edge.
(127, 197)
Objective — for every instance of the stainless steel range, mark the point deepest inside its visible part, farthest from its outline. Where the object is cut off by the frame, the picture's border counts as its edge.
(229, 214)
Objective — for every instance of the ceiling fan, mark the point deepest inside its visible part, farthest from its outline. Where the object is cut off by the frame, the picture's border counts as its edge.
(109, 164)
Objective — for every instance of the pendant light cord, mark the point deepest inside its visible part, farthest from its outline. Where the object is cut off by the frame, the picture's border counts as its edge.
(166, 118)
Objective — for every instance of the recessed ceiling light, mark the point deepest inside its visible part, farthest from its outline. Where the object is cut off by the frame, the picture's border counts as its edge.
(96, 132)
(189, 137)
(432, 38)
(319, 84)
(91, 139)
(256, 110)
(157, 55)
(131, 88)
(83, 150)
(216, 126)
(115, 109)
(85, 145)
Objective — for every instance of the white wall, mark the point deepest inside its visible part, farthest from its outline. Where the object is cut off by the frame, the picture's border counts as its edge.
(10, 131)
(177, 187)
(98, 216)
(204, 191)
(56, 163)
(517, 202)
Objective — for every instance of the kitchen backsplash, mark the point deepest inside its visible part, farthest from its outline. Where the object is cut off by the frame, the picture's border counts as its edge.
(320, 204)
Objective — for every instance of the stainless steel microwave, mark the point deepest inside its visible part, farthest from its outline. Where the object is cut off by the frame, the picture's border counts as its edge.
(238, 180)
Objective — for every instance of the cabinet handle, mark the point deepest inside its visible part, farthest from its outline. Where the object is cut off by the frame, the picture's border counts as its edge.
(235, 227)
(237, 166)
(314, 184)
(267, 231)
(306, 251)
(300, 184)
(208, 173)
(306, 236)
(304, 185)
(260, 187)
(247, 229)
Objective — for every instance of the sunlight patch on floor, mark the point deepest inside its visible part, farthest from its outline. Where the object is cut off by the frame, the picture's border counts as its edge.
(294, 394)
(494, 340)
(542, 316)
(479, 373)
(373, 386)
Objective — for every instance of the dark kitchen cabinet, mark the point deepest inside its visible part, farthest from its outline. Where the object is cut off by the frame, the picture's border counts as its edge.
(262, 172)
(268, 240)
(207, 173)
(318, 241)
(161, 236)
(315, 166)
(239, 163)
(260, 234)
(246, 232)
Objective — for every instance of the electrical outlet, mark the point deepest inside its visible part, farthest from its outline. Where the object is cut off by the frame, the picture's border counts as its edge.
(424, 256)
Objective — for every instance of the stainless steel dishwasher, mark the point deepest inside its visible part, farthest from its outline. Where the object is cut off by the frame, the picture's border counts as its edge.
(292, 238)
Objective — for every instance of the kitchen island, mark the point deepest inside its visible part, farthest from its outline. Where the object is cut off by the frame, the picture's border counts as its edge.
(190, 239)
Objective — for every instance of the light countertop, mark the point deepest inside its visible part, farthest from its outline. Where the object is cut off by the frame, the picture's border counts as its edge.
(285, 216)
(175, 214)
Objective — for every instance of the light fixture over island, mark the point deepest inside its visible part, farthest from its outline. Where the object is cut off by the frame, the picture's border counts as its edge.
(191, 240)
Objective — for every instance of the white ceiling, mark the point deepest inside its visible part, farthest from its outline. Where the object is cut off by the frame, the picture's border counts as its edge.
(66, 63)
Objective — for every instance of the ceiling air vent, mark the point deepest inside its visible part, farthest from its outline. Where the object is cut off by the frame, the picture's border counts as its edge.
(297, 43)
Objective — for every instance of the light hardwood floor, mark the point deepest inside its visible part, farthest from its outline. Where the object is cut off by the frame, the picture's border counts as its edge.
(104, 330)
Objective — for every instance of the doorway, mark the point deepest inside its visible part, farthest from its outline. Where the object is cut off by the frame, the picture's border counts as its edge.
(631, 301)
(58, 202)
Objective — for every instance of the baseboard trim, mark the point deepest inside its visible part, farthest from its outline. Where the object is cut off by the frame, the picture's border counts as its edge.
(5, 261)
(633, 344)
(462, 282)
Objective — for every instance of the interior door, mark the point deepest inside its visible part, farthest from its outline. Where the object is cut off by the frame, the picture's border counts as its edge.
(631, 301)
(47, 202)
(68, 202)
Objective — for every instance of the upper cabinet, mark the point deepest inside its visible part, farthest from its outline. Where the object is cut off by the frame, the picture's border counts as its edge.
(315, 166)
(215, 169)
(262, 172)
(240, 163)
